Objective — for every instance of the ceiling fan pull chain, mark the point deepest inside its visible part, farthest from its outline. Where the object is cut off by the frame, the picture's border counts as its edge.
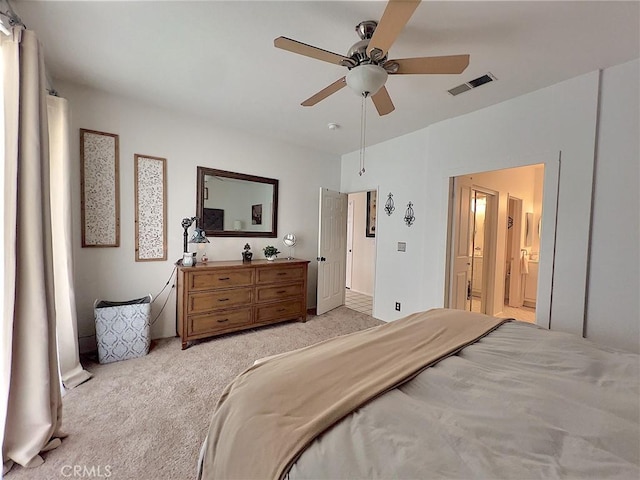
(363, 127)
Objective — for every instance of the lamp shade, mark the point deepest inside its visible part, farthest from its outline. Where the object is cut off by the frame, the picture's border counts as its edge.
(366, 79)
(198, 236)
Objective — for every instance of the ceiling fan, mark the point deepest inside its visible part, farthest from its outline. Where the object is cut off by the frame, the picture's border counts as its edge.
(367, 59)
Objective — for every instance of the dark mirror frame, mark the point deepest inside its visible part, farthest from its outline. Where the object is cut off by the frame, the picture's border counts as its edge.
(202, 171)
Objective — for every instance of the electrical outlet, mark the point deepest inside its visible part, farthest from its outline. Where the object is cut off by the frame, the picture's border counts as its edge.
(398, 306)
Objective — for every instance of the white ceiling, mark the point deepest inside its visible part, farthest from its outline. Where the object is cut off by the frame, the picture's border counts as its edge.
(217, 59)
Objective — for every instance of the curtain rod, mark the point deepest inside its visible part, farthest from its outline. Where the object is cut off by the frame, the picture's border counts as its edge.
(12, 16)
(14, 20)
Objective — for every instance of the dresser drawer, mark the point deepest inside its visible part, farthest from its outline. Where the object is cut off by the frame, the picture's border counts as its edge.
(279, 311)
(278, 292)
(208, 279)
(217, 299)
(279, 274)
(225, 296)
(215, 321)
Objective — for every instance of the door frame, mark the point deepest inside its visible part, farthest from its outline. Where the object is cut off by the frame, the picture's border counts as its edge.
(349, 266)
(375, 250)
(551, 187)
(489, 241)
(490, 246)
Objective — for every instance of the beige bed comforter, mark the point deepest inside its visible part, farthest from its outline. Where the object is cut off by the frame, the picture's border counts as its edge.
(272, 411)
(521, 402)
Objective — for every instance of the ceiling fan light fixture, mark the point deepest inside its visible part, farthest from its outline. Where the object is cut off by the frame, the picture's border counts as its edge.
(366, 79)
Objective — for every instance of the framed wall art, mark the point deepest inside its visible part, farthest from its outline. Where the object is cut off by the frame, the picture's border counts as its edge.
(100, 188)
(256, 214)
(371, 213)
(151, 207)
(213, 219)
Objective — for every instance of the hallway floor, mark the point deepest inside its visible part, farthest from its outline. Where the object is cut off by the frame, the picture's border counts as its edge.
(364, 304)
(525, 314)
(358, 302)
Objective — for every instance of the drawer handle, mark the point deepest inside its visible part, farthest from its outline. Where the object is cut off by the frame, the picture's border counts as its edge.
(281, 291)
(223, 278)
(282, 273)
(222, 321)
(223, 299)
(281, 309)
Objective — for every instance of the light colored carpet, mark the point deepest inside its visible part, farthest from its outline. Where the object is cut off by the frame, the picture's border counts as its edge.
(146, 418)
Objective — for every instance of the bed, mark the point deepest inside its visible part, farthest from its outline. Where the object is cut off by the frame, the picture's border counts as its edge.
(438, 394)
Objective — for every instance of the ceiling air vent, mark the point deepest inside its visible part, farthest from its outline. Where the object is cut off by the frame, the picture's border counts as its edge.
(476, 82)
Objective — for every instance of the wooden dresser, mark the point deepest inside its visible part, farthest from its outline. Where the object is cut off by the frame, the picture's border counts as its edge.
(222, 297)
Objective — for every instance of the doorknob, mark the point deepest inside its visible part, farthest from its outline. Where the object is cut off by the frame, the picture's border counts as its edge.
(321, 259)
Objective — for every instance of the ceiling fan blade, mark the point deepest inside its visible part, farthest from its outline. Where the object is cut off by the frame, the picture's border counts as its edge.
(325, 92)
(446, 65)
(395, 17)
(308, 50)
(382, 101)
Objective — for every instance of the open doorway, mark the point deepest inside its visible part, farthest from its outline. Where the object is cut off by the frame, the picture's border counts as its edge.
(496, 275)
(360, 263)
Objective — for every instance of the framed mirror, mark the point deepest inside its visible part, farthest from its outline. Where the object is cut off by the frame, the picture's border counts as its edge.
(528, 238)
(231, 204)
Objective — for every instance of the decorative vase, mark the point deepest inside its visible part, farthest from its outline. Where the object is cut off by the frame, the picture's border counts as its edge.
(272, 258)
(187, 259)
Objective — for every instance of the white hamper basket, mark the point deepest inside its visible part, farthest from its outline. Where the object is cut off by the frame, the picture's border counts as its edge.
(122, 329)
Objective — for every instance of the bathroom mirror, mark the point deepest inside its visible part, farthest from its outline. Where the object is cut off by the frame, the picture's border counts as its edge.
(231, 204)
(528, 239)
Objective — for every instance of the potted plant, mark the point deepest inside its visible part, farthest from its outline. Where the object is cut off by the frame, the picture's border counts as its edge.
(270, 252)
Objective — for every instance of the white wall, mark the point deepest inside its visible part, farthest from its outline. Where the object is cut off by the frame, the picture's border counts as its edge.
(533, 128)
(186, 142)
(363, 253)
(396, 167)
(613, 307)
(539, 127)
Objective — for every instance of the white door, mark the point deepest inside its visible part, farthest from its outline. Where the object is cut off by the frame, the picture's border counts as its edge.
(332, 250)
(349, 244)
(460, 288)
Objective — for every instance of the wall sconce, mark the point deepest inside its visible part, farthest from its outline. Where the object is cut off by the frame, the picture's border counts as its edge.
(409, 217)
(389, 207)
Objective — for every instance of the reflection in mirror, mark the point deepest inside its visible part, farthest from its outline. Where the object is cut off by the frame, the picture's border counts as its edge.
(232, 204)
(528, 239)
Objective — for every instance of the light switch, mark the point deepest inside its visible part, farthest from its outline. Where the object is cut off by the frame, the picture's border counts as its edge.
(402, 246)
